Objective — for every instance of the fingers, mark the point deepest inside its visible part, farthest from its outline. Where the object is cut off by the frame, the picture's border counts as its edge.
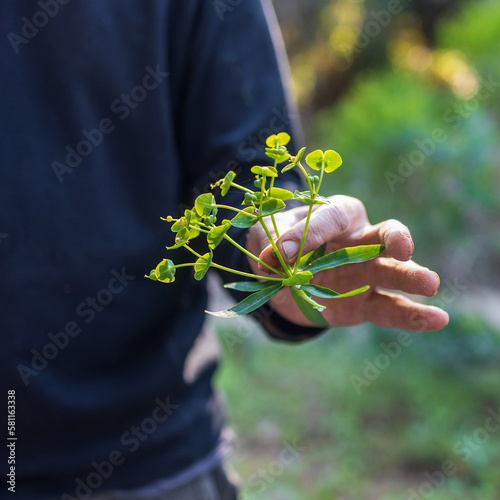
(390, 274)
(393, 234)
(328, 222)
(396, 311)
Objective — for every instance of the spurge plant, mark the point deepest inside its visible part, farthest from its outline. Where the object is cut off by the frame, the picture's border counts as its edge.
(260, 206)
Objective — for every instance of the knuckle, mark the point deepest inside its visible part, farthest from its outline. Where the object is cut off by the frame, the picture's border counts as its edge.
(337, 218)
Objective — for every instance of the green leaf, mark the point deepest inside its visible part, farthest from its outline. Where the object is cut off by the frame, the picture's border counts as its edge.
(305, 197)
(329, 160)
(245, 218)
(204, 204)
(326, 293)
(249, 286)
(165, 271)
(281, 194)
(202, 265)
(295, 160)
(272, 206)
(151, 275)
(307, 309)
(226, 183)
(279, 155)
(216, 235)
(281, 139)
(288, 167)
(264, 171)
(250, 303)
(301, 278)
(332, 161)
(181, 239)
(311, 256)
(349, 255)
(315, 159)
(299, 156)
(178, 225)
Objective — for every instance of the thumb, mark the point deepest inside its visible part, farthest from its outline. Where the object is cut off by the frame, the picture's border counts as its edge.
(329, 222)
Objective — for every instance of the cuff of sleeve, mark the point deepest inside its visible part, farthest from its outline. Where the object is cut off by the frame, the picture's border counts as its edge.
(279, 328)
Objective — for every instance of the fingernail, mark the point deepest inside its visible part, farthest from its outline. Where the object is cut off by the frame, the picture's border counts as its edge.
(290, 248)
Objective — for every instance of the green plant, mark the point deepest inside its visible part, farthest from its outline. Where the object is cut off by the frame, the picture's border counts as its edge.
(261, 206)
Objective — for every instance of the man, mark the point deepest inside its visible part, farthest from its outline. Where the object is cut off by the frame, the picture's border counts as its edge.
(113, 114)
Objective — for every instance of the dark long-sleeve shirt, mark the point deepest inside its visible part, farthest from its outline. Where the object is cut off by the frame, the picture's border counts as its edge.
(114, 113)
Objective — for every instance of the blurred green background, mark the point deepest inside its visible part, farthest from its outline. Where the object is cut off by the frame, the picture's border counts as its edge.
(408, 92)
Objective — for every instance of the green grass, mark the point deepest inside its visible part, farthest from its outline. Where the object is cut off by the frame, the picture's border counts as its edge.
(376, 442)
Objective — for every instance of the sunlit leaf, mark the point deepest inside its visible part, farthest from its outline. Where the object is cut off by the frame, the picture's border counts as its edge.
(332, 161)
(281, 194)
(264, 171)
(249, 286)
(307, 309)
(165, 271)
(299, 156)
(181, 238)
(301, 278)
(315, 159)
(329, 160)
(326, 293)
(202, 265)
(287, 167)
(204, 204)
(226, 183)
(245, 218)
(272, 206)
(349, 255)
(282, 139)
(151, 275)
(279, 155)
(311, 256)
(216, 235)
(250, 303)
(178, 225)
(305, 197)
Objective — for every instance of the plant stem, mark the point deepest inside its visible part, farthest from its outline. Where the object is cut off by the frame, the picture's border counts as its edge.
(247, 275)
(252, 256)
(286, 268)
(275, 226)
(302, 243)
(320, 179)
(243, 188)
(284, 265)
(234, 271)
(227, 207)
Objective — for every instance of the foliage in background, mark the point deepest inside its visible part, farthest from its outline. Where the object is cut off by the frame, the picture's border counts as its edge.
(421, 405)
(423, 142)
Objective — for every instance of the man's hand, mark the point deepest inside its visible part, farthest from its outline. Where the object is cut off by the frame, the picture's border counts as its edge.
(344, 223)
